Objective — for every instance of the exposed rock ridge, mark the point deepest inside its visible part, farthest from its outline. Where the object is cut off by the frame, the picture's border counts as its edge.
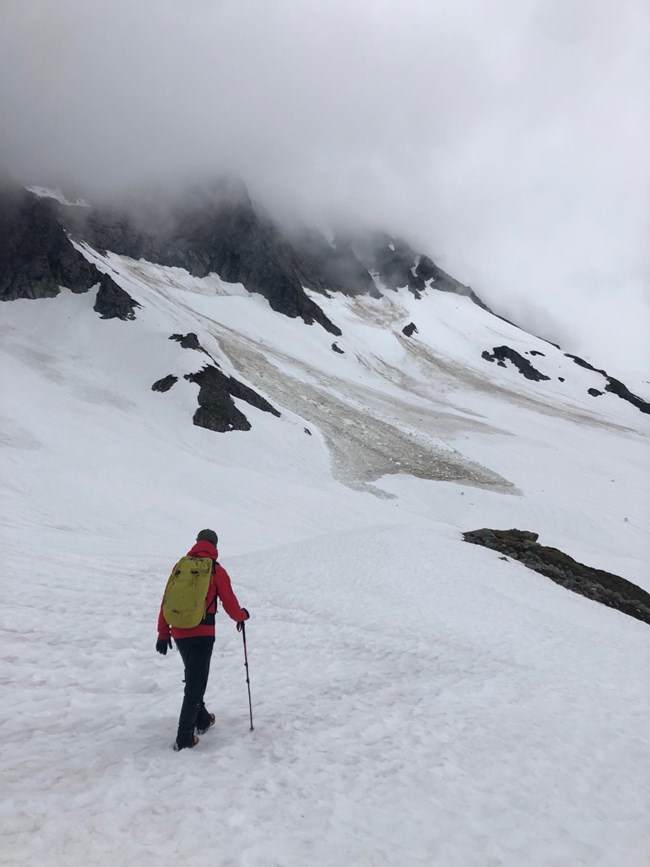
(396, 264)
(225, 238)
(501, 353)
(596, 584)
(615, 386)
(228, 236)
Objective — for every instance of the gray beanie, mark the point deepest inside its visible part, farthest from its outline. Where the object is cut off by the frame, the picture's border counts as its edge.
(208, 536)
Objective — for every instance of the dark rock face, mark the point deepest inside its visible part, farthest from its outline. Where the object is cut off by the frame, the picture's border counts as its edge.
(334, 266)
(536, 352)
(113, 302)
(596, 584)
(396, 264)
(225, 237)
(218, 230)
(428, 270)
(501, 353)
(594, 392)
(615, 386)
(36, 256)
(217, 410)
(165, 383)
(409, 329)
(337, 348)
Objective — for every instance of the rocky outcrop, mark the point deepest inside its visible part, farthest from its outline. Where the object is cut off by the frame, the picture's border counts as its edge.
(191, 341)
(337, 348)
(614, 386)
(409, 329)
(596, 584)
(223, 235)
(188, 341)
(165, 383)
(334, 266)
(428, 270)
(217, 410)
(501, 353)
(113, 302)
(36, 256)
(218, 230)
(396, 264)
(582, 363)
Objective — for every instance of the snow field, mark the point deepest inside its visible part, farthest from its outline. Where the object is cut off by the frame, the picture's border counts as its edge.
(413, 703)
(417, 700)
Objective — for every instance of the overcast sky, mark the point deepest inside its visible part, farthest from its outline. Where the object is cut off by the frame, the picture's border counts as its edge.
(508, 138)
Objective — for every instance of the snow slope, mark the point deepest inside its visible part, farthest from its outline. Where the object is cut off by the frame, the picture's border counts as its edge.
(417, 700)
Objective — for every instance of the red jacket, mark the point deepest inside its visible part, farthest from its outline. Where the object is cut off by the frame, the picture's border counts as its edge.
(219, 588)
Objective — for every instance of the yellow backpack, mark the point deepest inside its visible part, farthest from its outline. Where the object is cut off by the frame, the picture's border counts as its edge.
(185, 599)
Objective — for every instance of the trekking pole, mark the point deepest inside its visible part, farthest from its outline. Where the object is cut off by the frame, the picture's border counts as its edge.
(248, 682)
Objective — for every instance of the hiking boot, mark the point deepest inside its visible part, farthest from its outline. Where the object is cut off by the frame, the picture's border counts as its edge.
(178, 747)
(205, 724)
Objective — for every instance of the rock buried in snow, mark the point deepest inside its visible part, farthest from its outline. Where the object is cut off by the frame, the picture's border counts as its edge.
(165, 383)
(596, 584)
(410, 329)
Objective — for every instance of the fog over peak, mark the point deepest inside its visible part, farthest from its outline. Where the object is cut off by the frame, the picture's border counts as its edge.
(508, 140)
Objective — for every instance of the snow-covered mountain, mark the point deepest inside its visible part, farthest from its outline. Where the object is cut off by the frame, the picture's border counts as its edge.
(341, 411)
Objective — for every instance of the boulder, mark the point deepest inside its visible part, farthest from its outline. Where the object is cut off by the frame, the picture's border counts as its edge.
(604, 587)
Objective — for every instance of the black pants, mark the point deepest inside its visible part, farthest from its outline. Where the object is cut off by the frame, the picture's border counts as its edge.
(196, 654)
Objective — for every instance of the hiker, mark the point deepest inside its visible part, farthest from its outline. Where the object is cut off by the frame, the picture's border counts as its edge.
(196, 642)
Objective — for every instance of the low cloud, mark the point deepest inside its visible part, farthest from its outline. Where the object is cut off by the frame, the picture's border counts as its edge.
(507, 139)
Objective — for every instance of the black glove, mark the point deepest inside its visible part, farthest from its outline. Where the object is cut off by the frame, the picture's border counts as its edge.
(162, 644)
(240, 625)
